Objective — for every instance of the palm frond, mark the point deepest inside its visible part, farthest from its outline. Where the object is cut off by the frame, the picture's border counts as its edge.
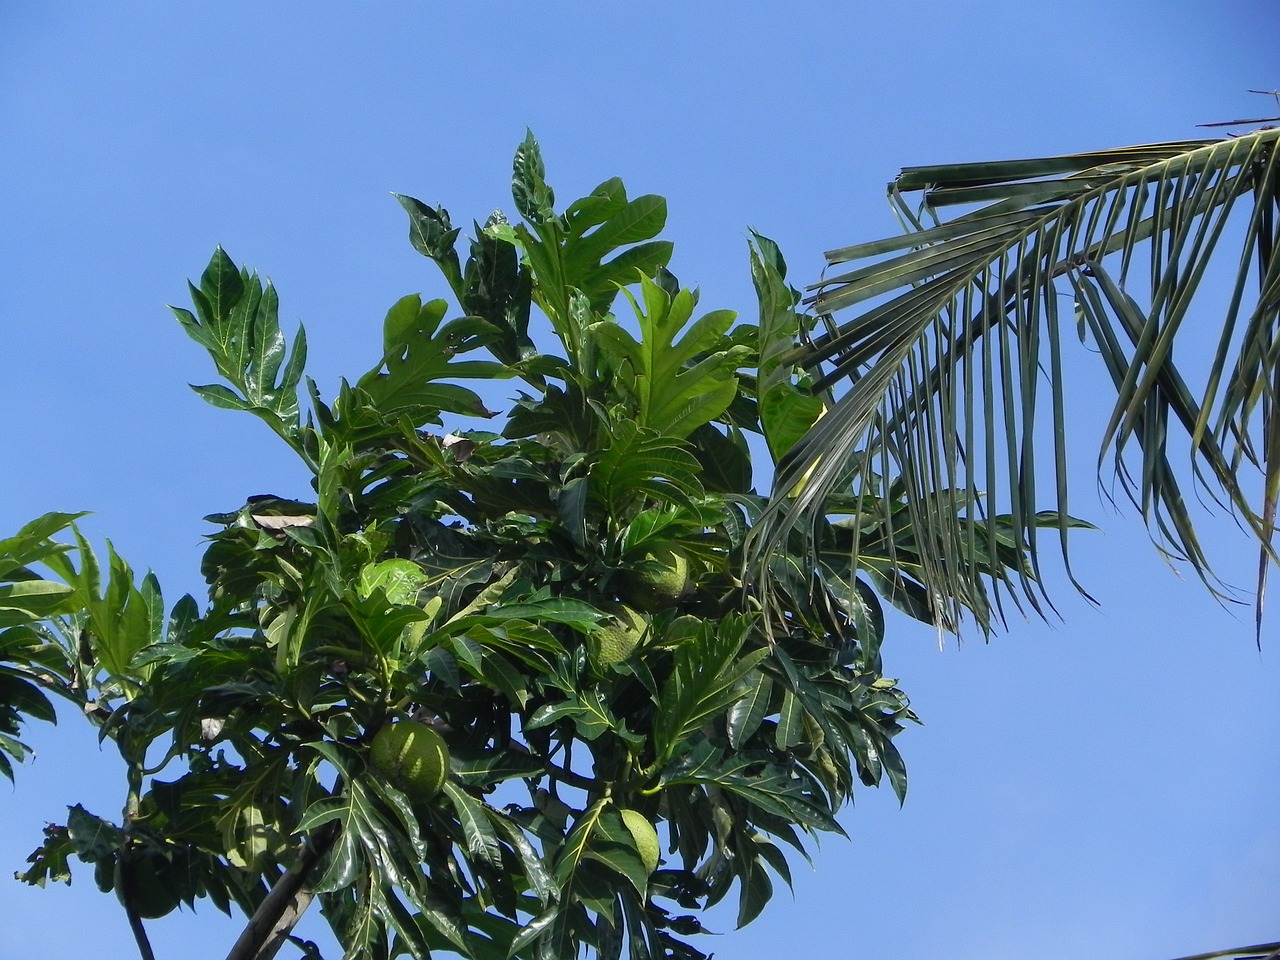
(1259, 951)
(952, 352)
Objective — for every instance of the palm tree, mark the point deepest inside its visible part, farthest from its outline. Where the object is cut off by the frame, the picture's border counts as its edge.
(949, 338)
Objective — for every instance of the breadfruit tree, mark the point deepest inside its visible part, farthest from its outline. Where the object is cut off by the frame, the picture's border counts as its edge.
(503, 687)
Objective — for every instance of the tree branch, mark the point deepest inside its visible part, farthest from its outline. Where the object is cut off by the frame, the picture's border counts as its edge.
(283, 907)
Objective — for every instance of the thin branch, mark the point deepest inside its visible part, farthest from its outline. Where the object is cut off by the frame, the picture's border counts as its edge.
(139, 931)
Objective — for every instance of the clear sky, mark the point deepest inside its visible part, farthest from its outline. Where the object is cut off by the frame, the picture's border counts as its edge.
(1106, 784)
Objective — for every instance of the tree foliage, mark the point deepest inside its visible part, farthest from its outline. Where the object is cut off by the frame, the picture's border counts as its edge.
(558, 592)
(652, 683)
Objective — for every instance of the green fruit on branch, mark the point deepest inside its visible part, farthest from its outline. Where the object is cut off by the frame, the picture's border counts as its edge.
(617, 637)
(145, 882)
(645, 836)
(413, 758)
(658, 581)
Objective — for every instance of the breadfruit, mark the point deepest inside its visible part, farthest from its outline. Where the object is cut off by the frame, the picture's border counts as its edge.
(645, 836)
(659, 581)
(412, 757)
(146, 882)
(615, 638)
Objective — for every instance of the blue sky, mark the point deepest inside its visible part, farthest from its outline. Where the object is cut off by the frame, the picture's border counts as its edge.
(1109, 780)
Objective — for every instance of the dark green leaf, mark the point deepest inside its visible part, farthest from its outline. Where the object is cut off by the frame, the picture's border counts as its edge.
(94, 839)
(534, 198)
(745, 715)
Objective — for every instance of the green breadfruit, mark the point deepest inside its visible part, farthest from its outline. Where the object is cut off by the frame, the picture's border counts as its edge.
(658, 581)
(645, 836)
(412, 757)
(616, 638)
(145, 879)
